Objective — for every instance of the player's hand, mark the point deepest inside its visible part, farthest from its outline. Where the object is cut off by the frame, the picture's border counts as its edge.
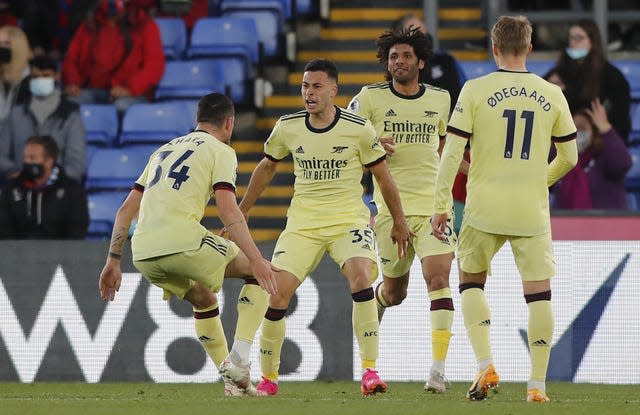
(119, 92)
(263, 272)
(401, 235)
(388, 144)
(439, 226)
(110, 279)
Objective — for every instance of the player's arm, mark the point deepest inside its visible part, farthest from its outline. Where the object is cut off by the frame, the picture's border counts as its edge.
(400, 233)
(449, 165)
(236, 226)
(260, 179)
(111, 275)
(566, 159)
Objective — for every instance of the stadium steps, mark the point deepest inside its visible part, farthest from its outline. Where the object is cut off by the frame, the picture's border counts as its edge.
(348, 38)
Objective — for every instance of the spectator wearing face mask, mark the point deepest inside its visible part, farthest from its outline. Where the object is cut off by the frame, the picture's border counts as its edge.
(115, 56)
(45, 112)
(14, 68)
(597, 181)
(42, 202)
(584, 75)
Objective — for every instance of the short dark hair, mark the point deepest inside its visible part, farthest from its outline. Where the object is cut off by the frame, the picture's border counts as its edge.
(322, 65)
(214, 109)
(43, 63)
(47, 142)
(411, 36)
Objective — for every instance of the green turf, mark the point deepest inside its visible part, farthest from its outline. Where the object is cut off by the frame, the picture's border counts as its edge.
(306, 398)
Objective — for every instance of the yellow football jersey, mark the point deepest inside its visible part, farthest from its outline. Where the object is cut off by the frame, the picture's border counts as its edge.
(510, 119)
(178, 183)
(416, 123)
(327, 167)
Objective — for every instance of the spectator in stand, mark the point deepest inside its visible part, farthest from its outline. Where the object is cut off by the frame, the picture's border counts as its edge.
(45, 112)
(14, 68)
(7, 15)
(584, 74)
(42, 202)
(444, 71)
(597, 181)
(115, 56)
(39, 21)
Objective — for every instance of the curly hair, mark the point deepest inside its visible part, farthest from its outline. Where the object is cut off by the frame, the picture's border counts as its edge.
(411, 36)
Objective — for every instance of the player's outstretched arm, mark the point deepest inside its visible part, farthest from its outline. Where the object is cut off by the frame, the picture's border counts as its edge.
(111, 275)
(400, 232)
(236, 226)
(260, 179)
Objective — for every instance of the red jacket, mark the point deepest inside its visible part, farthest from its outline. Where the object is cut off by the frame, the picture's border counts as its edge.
(96, 57)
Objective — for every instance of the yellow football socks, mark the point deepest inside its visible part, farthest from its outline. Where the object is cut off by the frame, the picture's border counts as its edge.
(210, 333)
(252, 304)
(365, 326)
(271, 341)
(441, 315)
(477, 320)
(540, 336)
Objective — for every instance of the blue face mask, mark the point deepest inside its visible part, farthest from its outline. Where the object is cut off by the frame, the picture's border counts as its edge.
(577, 53)
(42, 86)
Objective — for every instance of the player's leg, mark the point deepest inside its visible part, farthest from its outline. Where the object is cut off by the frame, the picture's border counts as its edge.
(393, 288)
(296, 255)
(436, 258)
(534, 257)
(475, 251)
(436, 270)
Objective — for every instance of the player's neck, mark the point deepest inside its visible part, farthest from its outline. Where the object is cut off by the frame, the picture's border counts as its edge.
(324, 118)
(513, 63)
(211, 130)
(409, 89)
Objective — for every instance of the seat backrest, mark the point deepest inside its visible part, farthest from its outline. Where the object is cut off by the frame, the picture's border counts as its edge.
(116, 168)
(156, 122)
(631, 71)
(100, 123)
(103, 207)
(236, 84)
(224, 36)
(191, 79)
(632, 180)
(634, 134)
(475, 69)
(268, 16)
(173, 33)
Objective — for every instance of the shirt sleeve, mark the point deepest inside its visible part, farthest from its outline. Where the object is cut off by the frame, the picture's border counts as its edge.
(451, 158)
(275, 147)
(369, 146)
(225, 169)
(461, 122)
(563, 129)
(360, 104)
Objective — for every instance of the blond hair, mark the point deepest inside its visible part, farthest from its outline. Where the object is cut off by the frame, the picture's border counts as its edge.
(512, 35)
(13, 71)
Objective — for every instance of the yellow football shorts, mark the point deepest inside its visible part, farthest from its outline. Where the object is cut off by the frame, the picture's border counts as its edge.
(533, 254)
(300, 251)
(423, 245)
(177, 273)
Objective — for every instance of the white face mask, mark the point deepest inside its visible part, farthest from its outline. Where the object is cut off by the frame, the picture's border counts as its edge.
(583, 140)
(577, 53)
(42, 86)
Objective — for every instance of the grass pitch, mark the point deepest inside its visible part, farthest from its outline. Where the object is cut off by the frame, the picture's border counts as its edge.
(307, 398)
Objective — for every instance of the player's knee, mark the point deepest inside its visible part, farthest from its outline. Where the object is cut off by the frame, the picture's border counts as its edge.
(395, 297)
(437, 282)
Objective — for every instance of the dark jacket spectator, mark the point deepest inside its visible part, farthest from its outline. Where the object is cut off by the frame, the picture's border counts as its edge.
(14, 68)
(119, 55)
(584, 74)
(597, 181)
(42, 202)
(46, 112)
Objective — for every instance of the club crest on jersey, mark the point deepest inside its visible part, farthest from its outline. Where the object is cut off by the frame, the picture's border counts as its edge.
(339, 149)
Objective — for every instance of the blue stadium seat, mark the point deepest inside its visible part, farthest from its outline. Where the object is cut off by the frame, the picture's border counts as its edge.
(269, 17)
(225, 36)
(173, 33)
(155, 123)
(634, 134)
(303, 7)
(191, 79)
(100, 123)
(631, 71)
(116, 168)
(540, 68)
(236, 85)
(103, 207)
(475, 69)
(632, 201)
(632, 181)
